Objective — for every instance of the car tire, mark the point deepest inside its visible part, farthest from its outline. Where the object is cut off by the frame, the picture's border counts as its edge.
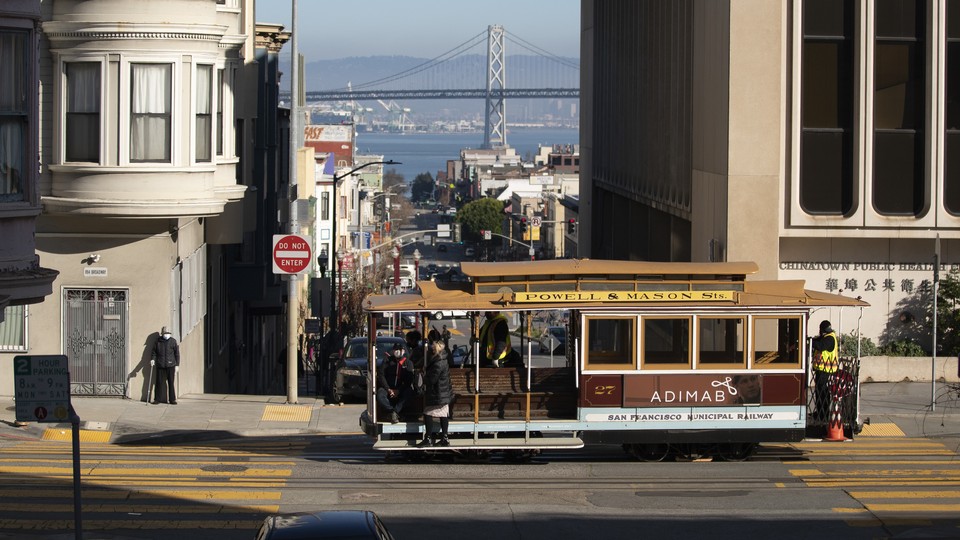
(335, 397)
(438, 315)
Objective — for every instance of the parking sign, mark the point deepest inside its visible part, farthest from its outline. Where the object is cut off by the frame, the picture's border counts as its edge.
(42, 392)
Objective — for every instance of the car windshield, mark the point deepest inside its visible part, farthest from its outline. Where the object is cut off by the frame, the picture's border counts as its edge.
(558, 332)
(357, 349)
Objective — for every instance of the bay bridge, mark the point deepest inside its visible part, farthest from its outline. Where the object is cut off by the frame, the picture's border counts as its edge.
(461, 73)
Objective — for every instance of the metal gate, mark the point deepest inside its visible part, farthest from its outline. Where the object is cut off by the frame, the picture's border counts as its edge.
(95, 340)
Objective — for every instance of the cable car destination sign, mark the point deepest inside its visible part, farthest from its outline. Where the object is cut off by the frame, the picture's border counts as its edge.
(623, 296)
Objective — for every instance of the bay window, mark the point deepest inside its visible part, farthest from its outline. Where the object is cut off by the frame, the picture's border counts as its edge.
(150, 112)
(82, 123)
(14, 108)
(203, 116)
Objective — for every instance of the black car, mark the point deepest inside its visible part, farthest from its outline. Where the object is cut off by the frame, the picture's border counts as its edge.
(442, 248)
(326, 524)
(351, 370)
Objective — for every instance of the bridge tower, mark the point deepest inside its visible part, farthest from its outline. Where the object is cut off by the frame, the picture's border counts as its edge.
(495, 124)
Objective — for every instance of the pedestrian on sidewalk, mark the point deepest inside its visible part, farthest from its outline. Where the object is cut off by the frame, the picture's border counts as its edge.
(166, 358)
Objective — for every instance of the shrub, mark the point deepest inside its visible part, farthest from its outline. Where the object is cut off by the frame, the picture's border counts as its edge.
(903, 347)
(848, 345)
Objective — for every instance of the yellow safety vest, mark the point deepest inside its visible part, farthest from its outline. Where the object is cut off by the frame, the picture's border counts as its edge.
(490, 342)
(827, 361)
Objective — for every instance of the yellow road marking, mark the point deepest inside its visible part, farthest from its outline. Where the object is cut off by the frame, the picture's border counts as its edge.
(905, 494)
(189, 494)
(142, 509)
(882, 483)
(806, 472)
(780, 484)
(105, 471)
(850, 510)
(147, 524)
(873, 462)
(913, 507)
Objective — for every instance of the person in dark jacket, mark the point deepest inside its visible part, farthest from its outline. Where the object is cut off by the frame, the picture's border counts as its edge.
(437, 397)
(395, 382)
(166, 358)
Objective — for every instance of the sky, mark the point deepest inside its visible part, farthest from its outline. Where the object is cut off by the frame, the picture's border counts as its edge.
(421, 28)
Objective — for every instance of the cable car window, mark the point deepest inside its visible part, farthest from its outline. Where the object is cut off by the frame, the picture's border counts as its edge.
(666, 343)
(776, 342)
(722, 342)
(611, 343)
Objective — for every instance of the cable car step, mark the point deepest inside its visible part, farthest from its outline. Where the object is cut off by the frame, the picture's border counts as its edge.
(538, 443)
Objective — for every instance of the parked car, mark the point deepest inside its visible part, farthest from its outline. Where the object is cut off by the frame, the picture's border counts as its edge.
(442, 248)
(325, 524)
(554, 339)
(469, 252)
(351, 367)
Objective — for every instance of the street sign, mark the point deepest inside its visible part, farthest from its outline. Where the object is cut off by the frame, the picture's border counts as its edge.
(42, 388)
(292, 254)
(536, 221)
(443, 230)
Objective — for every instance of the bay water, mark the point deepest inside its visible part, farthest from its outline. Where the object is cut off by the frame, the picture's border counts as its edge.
(429, 152)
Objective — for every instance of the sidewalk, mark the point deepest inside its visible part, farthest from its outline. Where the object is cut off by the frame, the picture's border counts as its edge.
(204, 417)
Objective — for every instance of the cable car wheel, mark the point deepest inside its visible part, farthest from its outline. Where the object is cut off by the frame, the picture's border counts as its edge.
(735, 451)
(649, 452)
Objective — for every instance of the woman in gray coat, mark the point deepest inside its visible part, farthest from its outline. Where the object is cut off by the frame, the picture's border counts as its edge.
(437, 396)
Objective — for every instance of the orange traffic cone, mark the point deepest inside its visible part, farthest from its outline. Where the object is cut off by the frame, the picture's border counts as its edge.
(835, 428)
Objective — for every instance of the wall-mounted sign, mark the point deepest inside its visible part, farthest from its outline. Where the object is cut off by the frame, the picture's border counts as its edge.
(95, 272)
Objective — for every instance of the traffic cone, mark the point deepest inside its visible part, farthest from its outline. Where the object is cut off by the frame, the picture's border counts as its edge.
(835, 427)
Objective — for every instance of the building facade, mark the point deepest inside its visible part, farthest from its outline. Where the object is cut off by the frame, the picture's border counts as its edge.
(815, 137)
(22, 280)
(141, 182)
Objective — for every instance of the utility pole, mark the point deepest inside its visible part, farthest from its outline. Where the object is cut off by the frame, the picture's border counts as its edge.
(293, 292)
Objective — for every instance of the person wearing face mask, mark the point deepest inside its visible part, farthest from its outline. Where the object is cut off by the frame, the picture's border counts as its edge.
(166, 358)
(395, 382)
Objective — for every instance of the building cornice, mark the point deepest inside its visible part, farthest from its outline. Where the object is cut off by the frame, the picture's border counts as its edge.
(128, 208)
(86, 31)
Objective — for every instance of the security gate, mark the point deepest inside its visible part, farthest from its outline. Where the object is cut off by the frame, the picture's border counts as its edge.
(95, 340)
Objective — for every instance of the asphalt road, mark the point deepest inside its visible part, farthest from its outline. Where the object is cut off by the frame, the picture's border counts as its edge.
(874, 487)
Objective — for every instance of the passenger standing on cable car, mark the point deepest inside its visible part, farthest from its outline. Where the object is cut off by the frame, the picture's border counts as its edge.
(495, 347)
(437, 396)
(825, 364)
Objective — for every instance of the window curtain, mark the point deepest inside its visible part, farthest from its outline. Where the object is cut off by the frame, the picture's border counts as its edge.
(82, 138)
(204, 110)
(13, 335)
(150, 112)
(13, 113)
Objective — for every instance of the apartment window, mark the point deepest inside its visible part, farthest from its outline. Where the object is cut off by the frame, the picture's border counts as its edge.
(220, 127)
(722, 342)
(776, 342)
(611, 343)
(666, 343)
(826, 105)
(82, 123)
(951, 176)
(14, 114)
(13, 329)
(150, 112)
(899, 88)
(325, 206)
(204, 113)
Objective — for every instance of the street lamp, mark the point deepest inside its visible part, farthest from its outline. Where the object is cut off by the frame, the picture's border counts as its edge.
(416, 276)
(340, 255)
(336, 180)
(395, 253)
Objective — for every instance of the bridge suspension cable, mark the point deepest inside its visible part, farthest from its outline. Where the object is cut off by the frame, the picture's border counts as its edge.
(542, 52)
(452, 53)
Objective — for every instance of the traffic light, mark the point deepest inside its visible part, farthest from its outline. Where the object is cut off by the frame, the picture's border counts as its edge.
(523, 225)
(571, 226)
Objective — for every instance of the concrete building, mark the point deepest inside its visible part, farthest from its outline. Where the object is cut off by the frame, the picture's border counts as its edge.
(817, 138)
(144, 153)
(22, 280)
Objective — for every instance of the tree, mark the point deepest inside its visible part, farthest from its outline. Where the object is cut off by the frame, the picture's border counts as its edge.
(422, 188)
(480, 215)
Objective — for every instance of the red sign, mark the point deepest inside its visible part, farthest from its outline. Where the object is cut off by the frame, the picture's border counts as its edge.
(292, 254)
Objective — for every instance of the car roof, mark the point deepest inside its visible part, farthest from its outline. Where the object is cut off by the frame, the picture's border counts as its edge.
(323, 524)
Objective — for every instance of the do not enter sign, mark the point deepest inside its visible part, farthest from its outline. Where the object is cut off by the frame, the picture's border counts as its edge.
(292, 254)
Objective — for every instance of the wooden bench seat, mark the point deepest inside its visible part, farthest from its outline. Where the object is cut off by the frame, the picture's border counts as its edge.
(503, 395)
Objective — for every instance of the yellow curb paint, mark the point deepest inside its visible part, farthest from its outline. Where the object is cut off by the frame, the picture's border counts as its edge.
(286, 413)
(914, 507)
(86, 435)
(850, 510)
(884, 429)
